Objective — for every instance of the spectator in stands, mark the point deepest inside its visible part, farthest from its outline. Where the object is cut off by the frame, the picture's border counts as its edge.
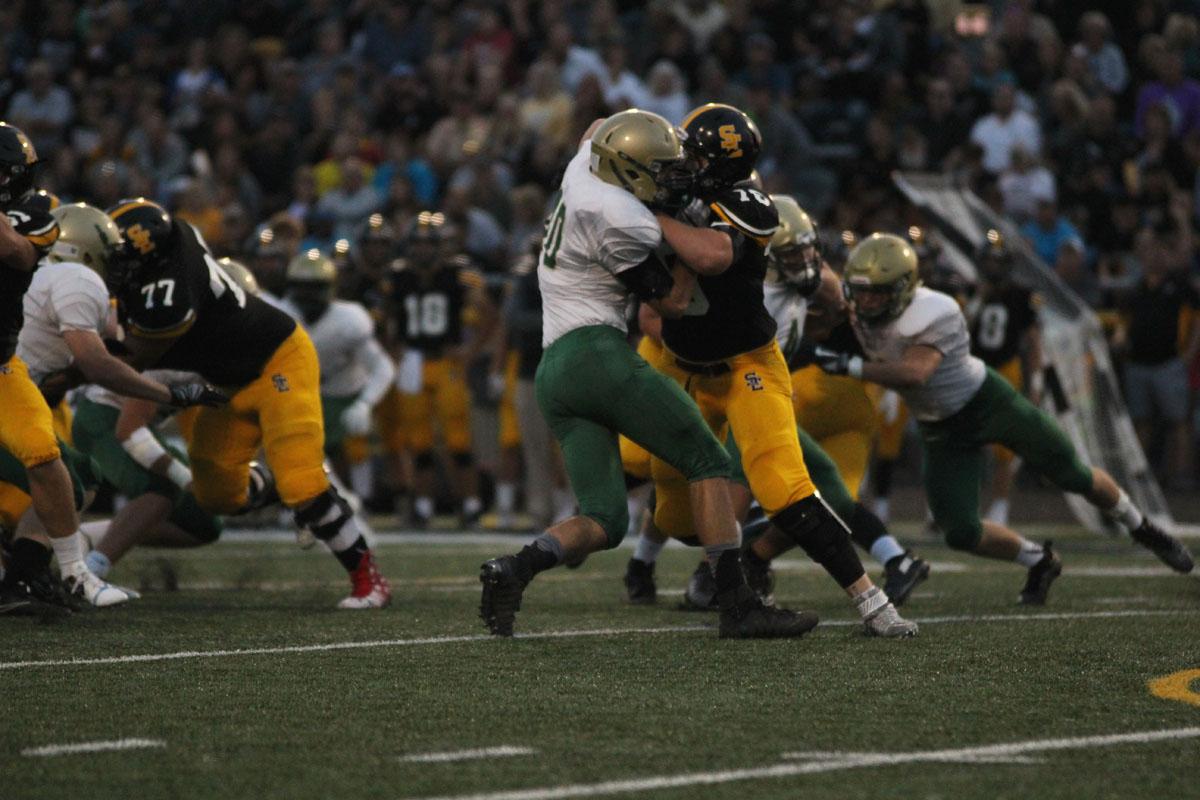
(42, 109)
(1004, 129)
(353, 201)
(1180, 94)
(160, 153)
(1024, 183)
(623, 89)
(1163, 339)
(574, 61)
(545, 110)
(482, 237)
(1048, 229)
(1105, 62)
(667, 92)
(944, 126)
(456, 136)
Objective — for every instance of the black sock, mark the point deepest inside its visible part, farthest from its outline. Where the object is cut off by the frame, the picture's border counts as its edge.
(883, 477)
(751, 557)
(30, 557)
(541, 554)
(352, 556)
(727, 572)
(865, 527)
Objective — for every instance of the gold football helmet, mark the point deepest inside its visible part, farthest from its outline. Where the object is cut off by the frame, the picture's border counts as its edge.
(881, 277)
(312, 266)
(87, 236)
(241, 275)
(794, 252)
(642, 153)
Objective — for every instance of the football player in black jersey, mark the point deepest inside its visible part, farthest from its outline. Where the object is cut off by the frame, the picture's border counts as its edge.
(432, 291)
(724, 353)
(27, 231)
(1006, 335)
(182, 310)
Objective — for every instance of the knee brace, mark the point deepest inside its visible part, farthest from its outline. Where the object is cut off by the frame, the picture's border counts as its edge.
(810, 524)
(424, 460)
(329, 518)
(865, 527)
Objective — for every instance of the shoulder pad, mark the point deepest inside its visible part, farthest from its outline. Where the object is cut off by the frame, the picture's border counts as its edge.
(748, 211)
(35, 224)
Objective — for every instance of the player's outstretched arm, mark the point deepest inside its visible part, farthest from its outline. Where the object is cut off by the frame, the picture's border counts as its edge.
(705, 250)
(912, 369)
(100, 367)
(16, 252)
(133, 432)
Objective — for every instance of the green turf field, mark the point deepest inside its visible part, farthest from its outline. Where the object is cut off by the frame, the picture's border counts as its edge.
(247, 683)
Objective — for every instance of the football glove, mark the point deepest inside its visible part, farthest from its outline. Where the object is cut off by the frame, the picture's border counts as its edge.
(195, 393)
(837, 363)
(356, 419)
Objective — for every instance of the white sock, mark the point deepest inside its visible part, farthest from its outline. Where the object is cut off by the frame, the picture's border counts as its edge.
(998, 511)
(1126, 512)
(882, 508)
(870, 602)
(506, 497)
(98, 563)
(647, 549)
(564, 504)
(1031, 553)
(472, 505)
(362, 478)
(423, 506)
(93, 532)
(885, 549)
(68, 550)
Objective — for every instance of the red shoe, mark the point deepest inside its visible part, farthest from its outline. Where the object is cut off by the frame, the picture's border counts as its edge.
(371, 589)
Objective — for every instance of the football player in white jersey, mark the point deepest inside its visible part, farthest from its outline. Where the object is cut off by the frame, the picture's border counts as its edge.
(916, 341)
(600, 248)
(356, 372)
(67, 313)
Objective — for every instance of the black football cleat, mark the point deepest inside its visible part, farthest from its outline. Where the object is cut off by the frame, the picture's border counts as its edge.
(759, 576)
(502, 590)
(1041, 575)
(639, 583)
(1169, 550)
(17, 601)
(701, 591)
(901, 575)
(743, 616)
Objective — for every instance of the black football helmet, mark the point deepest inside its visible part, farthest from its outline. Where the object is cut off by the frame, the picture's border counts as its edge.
(18, 164)
(727, 140)
(147, 233)
(994, 258)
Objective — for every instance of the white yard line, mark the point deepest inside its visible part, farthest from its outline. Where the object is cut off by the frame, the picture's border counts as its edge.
(501, 751)
(92, 747)
(567, 634)
(838, 761)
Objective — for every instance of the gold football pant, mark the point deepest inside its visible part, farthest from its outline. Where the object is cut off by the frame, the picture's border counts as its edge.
(510, 427)
(26, 422)
(279, 410)
(836, 411)
(754, 399)
(407, 420)
(635, 459)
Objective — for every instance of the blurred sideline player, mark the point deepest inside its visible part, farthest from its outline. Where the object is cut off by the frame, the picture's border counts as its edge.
(1005, 334)
(433, 290)
(723, 352)
(355, 370)
(917, 342)
(183, 311)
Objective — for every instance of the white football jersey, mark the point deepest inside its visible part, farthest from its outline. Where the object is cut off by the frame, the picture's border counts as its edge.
(596, 232)
(63, 296)
(788, 308)
(339, 336)
(935, 320)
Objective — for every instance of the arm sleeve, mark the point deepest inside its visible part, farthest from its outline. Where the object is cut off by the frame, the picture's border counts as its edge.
(80, 306)
(624, 248)
(747, 211)
(947, 327)
(381, 372)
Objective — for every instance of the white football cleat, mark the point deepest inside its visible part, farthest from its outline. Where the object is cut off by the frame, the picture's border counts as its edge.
(82, 582)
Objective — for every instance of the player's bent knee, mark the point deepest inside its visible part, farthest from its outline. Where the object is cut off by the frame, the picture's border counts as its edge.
(963, 535)
(219, 490)
(612, 518)
(705, 459)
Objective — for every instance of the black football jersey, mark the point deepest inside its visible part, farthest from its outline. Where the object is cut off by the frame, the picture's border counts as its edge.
(727, 316)
(41, 229)
(429, 305)
(220, 331)
(1000, 324)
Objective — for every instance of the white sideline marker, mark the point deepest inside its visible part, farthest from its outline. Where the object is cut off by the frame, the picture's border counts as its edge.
(568, 634)
(836, 761)
(501, 751)
(92, 747)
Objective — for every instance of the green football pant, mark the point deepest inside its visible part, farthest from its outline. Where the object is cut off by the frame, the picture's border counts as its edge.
(955, 455)
(591, 386)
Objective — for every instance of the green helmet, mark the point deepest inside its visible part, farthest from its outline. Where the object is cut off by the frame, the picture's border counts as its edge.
(241, 275)
(794, 252)
(87, 236)
(312, 266)
(881, 266)
(642, 153)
